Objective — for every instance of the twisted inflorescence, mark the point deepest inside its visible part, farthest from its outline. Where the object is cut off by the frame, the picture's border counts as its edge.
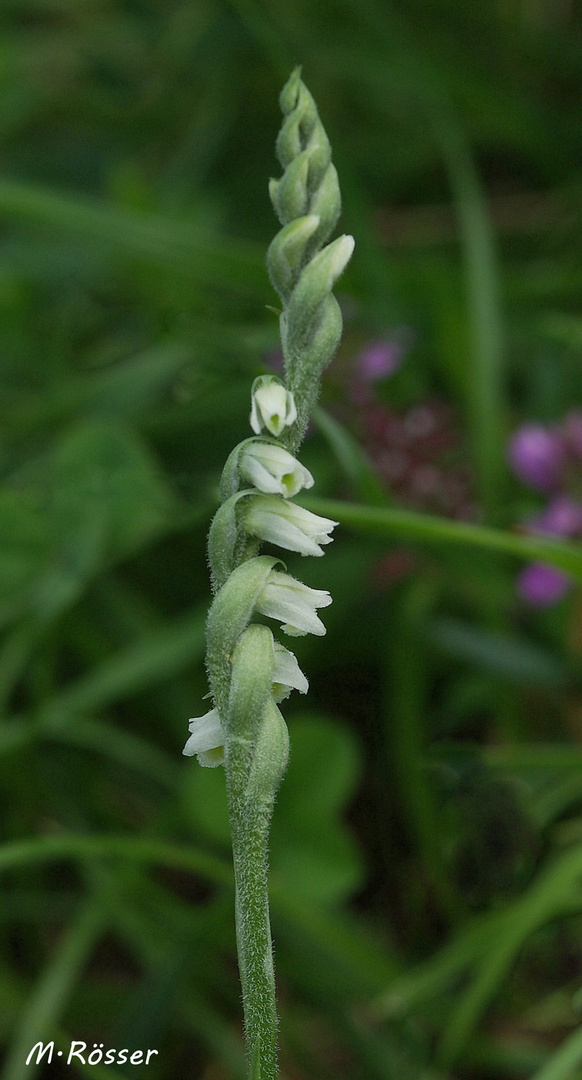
(307, 202)
(249, 671)
(249, 674)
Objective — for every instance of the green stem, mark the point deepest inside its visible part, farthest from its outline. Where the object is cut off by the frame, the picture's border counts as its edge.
(250, 829)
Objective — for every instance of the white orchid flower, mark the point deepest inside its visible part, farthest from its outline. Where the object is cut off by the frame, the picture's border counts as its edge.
(273, 406)
(293, 604)
(273, 470)
(280, 522)
(287, 675)
(206, 740)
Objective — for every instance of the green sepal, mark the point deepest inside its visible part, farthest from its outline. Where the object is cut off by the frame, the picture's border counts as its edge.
(302, 130)
(319, 151)
(307, 354)
(290, 93)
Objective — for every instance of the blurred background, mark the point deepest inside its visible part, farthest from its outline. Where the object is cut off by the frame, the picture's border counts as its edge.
(427, 840)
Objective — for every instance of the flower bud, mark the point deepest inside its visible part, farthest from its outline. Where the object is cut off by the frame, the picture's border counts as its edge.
(291, 197)
(273, 470)
(272, 407)
(206, 740)
(287, 250)
(318, 279)
(280, 522)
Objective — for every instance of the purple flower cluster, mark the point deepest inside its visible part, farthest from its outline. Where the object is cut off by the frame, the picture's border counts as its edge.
(417, 450)
(377, 360)
(550, 460)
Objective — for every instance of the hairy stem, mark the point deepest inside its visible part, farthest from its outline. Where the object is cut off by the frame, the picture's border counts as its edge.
(250, 830)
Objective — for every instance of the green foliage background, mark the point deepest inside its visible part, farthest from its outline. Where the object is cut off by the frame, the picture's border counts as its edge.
(427, 841)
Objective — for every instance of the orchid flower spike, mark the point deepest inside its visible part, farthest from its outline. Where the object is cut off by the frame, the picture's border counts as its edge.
(250, 673)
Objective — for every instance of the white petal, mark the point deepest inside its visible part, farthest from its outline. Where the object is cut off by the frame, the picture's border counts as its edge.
(273, 406)
(254, 417)
(273, 528)
(295, 480)
(291, 414)
(206, 734)
(290, 526)
(273, 470)
(293, 604)
(253, 470)
(287, 675)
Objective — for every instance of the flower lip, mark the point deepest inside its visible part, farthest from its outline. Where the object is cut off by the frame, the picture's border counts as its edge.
(288, 525)
(273, 470)
(206, 739)
(293, 604)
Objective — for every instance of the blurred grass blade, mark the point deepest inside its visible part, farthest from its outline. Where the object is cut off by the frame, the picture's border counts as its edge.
(554, 892)
(426, 529)
(126, 749)
(500, 654)
(485, 367)
(407, 684)
(127, 848)
(210, 259)
(122, 389)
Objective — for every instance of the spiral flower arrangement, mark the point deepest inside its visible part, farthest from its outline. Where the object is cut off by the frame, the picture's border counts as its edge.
(249, 671)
